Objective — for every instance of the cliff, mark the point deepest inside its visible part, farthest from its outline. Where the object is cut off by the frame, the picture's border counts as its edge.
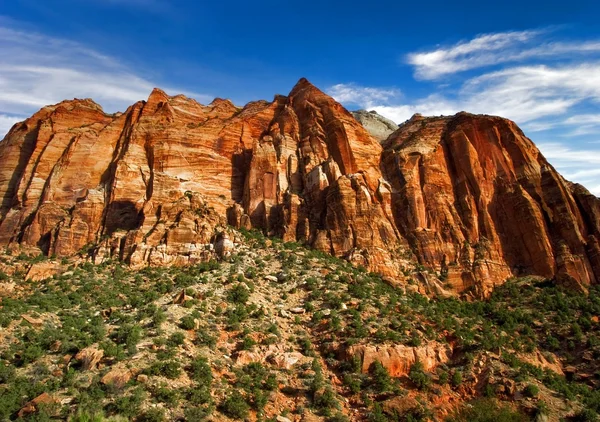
(469, 197)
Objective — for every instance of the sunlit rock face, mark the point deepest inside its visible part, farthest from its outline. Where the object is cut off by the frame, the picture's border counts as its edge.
(477, 200)
(469, 197)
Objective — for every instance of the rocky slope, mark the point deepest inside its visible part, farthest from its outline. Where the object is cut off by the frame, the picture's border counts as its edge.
(276, 332)
(469, 197)
(377, 125)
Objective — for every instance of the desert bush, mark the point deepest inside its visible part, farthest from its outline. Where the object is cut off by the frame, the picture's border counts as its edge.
(418, 376)
(235, 406)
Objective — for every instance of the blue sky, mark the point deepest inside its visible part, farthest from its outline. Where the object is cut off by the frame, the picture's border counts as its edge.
(536, 62)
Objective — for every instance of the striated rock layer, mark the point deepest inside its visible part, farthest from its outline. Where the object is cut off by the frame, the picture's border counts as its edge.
(477, 200)
(469, 196)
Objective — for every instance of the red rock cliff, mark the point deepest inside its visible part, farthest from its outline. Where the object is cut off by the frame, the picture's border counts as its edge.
(469, 196)
(477, 201)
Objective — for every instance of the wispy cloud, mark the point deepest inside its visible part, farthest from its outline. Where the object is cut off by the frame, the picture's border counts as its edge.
(526, 93)
(6, 122)
(579, 165)
(37, 70)
(550, 87)
(493, 49)
(523, 93)
(362, 96)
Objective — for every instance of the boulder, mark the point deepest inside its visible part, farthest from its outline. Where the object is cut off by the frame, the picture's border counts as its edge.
(89, 358)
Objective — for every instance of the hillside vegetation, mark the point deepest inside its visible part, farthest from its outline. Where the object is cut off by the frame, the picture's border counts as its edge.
(279, 332)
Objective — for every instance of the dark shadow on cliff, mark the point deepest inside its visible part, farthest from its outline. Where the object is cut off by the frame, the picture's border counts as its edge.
(26, 150)
(240, 166)
(122, 215)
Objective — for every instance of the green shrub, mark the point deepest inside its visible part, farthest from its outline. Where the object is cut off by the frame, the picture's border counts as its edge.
(170, 369)
(166, 394)
(187, 323)
(176, 339)
(235, 406)
(353, 383)
(247, 343)
(129, 405)
(457, 378)
(326, 399)
(197, 413)
(129, 335)
(531, 390)
(201, 371)
(203, 337)
(238, 294)
(443, 378)
(486, 410)
(377, 414)
(418, 376)
(380, 377)
(152, 415)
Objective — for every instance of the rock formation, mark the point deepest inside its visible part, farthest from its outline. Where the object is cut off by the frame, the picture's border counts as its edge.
(398, 358)
(469, 197)
(377, 125)
(477, 201)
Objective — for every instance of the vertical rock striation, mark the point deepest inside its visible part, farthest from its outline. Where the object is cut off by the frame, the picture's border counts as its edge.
(470, 197)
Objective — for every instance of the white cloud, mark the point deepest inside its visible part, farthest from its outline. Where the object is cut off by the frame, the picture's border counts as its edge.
(37, 70)
(6, 122)
(583, 119)
(527, 93)
(493, 49)
(544, 86)
(579, 165)
(362, 96)
(434, 105)
(524, 94)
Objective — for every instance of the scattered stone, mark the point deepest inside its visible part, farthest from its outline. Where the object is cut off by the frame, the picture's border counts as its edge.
(271, 278)
(223, 245)
(283, 419)
(285, 360)
(34, 405)
(35, 322)
(66, 359)
(244, 357)
(283, 313)
(311, 417)
(43, 270)
(117, 377)
(181, 298)
(298, 310)
(90, 357)
(7, 289)
(400, 405)
(398, 359)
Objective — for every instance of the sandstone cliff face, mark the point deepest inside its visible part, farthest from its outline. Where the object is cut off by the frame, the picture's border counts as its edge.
(477, 201)
(314, 177)
(147, 185)
(470, 197)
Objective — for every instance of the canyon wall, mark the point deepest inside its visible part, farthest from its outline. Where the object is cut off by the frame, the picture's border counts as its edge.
(463, 202)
